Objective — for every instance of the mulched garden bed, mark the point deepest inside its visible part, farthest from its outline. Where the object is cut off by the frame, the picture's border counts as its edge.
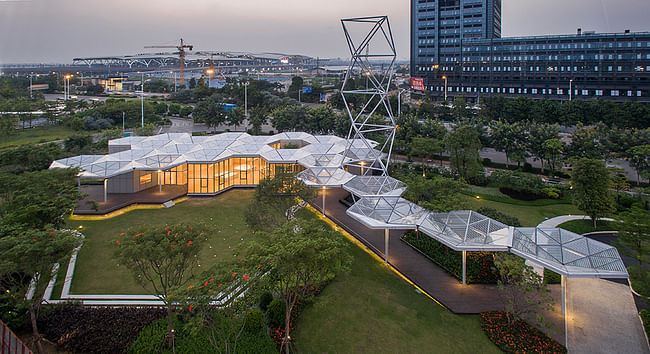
(519, 337)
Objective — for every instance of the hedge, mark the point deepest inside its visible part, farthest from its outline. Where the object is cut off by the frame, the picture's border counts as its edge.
(480, 267)
(96, 330)
(518, 337)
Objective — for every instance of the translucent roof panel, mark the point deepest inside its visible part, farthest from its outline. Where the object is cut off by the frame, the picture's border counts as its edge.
(322, 160)
(568, 253)
(324, 176)
(467, 231)
(375, 185)
(391, 212)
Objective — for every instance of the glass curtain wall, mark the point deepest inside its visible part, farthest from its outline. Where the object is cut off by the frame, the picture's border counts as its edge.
(175, 176)
(238, 171)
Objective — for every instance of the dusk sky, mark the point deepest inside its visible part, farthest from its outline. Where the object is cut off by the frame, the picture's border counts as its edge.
(33, 31)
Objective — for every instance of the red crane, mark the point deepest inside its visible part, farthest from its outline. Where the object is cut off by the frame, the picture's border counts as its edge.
(181, 54)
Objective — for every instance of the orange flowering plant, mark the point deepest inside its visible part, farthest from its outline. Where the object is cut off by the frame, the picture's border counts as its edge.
(162, 258)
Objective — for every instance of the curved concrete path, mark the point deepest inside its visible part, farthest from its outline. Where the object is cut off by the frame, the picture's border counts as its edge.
(559, 220)
(601, 315)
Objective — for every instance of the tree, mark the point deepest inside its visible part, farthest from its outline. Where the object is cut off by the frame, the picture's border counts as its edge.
(237, 289)
(590, 181)
(538, 135)
(634, 234)
(586, 142)
(37, 199)
(299, 255)
(289, 118)
(210, 112)
(27, 260)
(162, 258)
(523, 290)
(510, 138)
(439, 194)
(463, 145)
(273, 197)
(257, 119)
(552, 153)
(618, 181)
(236, 117)
(426, 147)
(640, 160)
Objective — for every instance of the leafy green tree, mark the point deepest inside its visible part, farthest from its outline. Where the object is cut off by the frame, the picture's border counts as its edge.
(27, 261)
(257, 119)
(552, 152)
(321, 120)
(235, 117)
(427, 147)
(640, 160)
(523, 290)
(463, 145)
(617, 181)
(538, 134)
(459, 108)
(210, 112)
(237, 289)
(174, 109)
(299, 256)
(296, 85)
(590, 180)
(185, 111)
(438, 193)
(587, 142)
(289, 118)
(273, 197)
(37, 199)
(162, 258)
(634, 235)
(511, 138)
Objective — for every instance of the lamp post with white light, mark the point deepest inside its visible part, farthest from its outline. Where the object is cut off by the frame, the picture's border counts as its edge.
(570, 89)
(444, 77)
(246, 83)
(210, 72)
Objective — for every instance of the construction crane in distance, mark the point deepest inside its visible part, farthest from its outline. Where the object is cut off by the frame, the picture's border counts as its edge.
(181, 54)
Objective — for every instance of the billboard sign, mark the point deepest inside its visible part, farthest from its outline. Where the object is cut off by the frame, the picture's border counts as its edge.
(417, 84)
(306, 89)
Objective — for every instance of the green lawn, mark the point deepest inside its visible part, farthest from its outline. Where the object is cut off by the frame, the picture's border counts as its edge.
(585, 226)
(97, 272)
(36, 136)
(528, 215)
(372, 310)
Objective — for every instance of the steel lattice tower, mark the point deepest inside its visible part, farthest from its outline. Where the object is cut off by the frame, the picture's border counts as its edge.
(375, 43)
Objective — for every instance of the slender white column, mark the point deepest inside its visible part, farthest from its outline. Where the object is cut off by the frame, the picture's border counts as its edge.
(386, 239)
(105, 190)
(464, 267)
(564, 296)
(324, 190)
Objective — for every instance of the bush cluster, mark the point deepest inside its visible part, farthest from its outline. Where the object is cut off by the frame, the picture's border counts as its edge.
(519, 185)
(96, 330)
(519, 337)
(480, 267)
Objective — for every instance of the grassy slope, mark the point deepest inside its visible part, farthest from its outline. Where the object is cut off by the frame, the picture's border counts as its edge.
(529, 213)
(37, 135)
(371, 309)
(97, 272)
(584, 226)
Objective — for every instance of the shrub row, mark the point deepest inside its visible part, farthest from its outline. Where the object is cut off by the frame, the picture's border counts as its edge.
(518, 337)
(96, 330)
(480, 267)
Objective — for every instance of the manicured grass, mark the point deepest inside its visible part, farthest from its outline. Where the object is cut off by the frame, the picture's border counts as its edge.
(223, 222)
(585, 226)
(36, 136)
(528, 215)
(372, 310)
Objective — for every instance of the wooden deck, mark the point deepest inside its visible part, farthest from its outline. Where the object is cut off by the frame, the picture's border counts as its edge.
(119, 201)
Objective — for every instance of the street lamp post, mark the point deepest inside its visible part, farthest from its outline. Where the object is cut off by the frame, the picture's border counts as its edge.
(209, 72)
(30, 87)
(66, 87)
(246, 83)
(570, 89)
(444, 77)
(399, 102)
(142, 100)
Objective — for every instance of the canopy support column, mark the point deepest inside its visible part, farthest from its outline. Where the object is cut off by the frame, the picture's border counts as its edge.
(324, 190)
(564, 295)
(386, 239)
(464, 267)
(160, 181)
(105, 190)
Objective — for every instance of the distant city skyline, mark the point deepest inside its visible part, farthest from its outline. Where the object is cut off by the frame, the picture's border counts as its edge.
(55, 31)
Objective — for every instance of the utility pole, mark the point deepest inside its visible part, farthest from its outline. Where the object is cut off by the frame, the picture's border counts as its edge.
(122, 123)
(246, 83)
(142, 100)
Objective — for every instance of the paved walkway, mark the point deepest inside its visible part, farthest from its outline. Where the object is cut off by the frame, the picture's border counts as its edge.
(558, 220)
(602, 318)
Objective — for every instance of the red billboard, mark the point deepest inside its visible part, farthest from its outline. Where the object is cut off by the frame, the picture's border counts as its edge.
(417, 84)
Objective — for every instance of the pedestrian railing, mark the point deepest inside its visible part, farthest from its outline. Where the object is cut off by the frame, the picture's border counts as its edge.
(10, 343)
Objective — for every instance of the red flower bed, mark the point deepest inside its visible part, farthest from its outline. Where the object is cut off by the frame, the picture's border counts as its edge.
(520, 337)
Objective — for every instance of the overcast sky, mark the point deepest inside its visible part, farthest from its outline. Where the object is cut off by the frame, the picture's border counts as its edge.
(49, 31)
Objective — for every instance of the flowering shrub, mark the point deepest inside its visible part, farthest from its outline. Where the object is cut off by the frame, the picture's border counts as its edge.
(519, 337)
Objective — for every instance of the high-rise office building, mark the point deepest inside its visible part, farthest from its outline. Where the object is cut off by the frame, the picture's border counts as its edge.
(457, 44)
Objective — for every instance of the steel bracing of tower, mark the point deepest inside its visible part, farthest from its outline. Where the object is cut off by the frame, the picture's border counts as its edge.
(374, 44)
